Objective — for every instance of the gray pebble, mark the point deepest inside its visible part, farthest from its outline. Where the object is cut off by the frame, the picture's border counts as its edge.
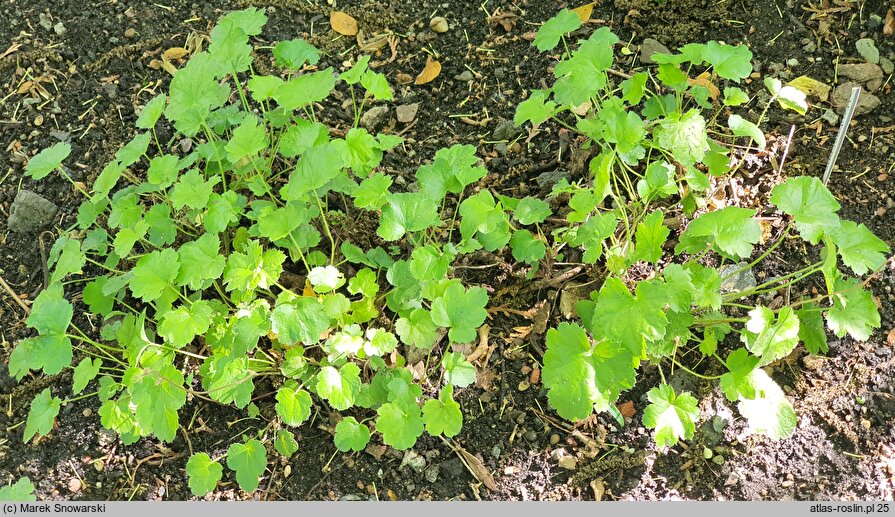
(374, 118)
(649, 47)
(30, 212)
(887, 66)
(504, 131)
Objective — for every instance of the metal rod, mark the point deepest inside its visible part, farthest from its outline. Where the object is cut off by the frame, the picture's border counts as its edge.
(843, 129)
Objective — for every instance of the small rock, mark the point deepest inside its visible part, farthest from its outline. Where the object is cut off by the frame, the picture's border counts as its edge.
(29, 212)
(74, 485)
(414, 461)
(707, 453)
(432, 473)
(867, 103)
(809, 46)
(792, 62)
(740, 281)
(499, 73)
(887, 66)
(874, 22)
(466, 76)
(718, 459)
(554, 439)
(353, 497)
(504, 131)
(59, 29)
(439, 24)
(831, 117)
(882, 177)
(39, 120)
(130, 33)
(530, 436)
(111, 90)
(868, 74)
(374, 118)
(87, 412)
(44, 21)
(649, 47)
(813, 362)
(568, 462)
(524, 385)
(407, 112)
(867, 48)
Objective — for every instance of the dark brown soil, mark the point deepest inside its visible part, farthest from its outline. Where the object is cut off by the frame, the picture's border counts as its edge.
(94, 73)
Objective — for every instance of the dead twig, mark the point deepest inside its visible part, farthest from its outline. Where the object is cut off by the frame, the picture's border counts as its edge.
(15, 296)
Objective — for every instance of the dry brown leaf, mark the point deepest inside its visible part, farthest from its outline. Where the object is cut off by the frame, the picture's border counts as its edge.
(889, 25)
(890, 338)
(599, 489)
(584, 11)
(626, 409)
(373, 44)
(504, 19)
(343, 23)
(429, 73)
(476, 466)
(175, 53)
(704, 81)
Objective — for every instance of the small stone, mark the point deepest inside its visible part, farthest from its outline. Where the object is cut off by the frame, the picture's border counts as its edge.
(882, 177)
(867, 48)
(432, 473)
(554, 439)
(813, 362)
(887, 65)
(504, 131)
(718, 459)
(530, 436)
(374, 118)
(439, 24)
(707, 453)
(881, 211)
(649, 47)
(809, 46)
(524, 385)
(406, 113)
(792, 62)
(60, 29)
(29, 212)
(106, 437)
(865, 423)
(568, 462)
(831, 117)
(874, 22)
(74, 485)
(39, 120)
(98, 465)
(466, 76)
(739, 280)
(87, 412)
(499, 73)
(111, 90)
(867, 103)
(868, 74)
(130, 33)
(788, 483)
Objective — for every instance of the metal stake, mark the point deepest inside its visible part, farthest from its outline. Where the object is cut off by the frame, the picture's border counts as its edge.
(843, 128)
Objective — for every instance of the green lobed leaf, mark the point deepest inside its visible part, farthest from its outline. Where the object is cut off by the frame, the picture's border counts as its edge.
(768, 339)
(301, 320)
(47, 160)
(293, 404)
(526, 247)
(734, 63)
(42, 415)
(200, 261)
(351, 435)
(154, 273)
(732, 231)
(151, 112)
(811, 328)
(553, 30)
(21, 490)
(84, 372)
(644, 315)
(285, 443)
(853, 312)
(650, 236)
(203, 474)
(810, 203)
(293, 54)
(248, 139)
(400, 423)
(406, 212)
(672, 416)
(443, 416)
(248, 460)
(461, 310)
(339, 387)
(859, 248)
(457, 370)
(769, 412)
(535, 109)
